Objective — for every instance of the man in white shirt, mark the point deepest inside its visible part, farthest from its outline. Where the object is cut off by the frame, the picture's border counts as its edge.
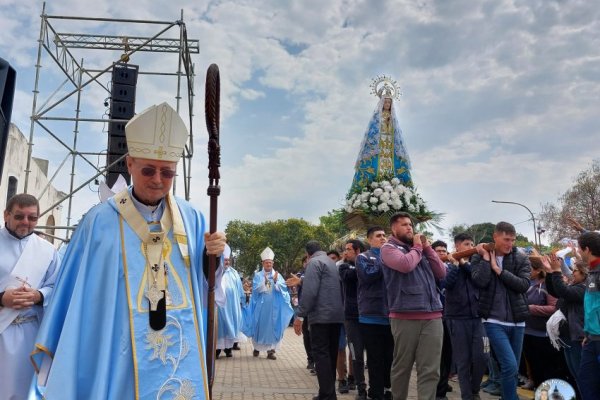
(28, 268)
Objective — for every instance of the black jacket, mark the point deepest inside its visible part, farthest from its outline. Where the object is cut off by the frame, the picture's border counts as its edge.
(349, 289)
(462, 297)
(516, 271)
(570, 302)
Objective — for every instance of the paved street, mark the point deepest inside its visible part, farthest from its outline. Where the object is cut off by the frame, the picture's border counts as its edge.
(244, 377)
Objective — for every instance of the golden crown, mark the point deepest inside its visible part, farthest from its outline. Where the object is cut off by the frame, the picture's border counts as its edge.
(384, 86)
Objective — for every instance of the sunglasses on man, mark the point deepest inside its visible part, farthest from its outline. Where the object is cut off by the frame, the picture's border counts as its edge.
(21, 217)
(164, 173)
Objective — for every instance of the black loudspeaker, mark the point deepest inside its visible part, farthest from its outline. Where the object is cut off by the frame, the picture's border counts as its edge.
(117, 145)
(125, 93)
(125, 74)
(120, 167)
(116, 129)
(122, 109)
(122, 106)
(8, 80)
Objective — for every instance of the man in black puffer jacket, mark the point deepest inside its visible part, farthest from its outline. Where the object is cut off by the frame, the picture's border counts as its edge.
(502, 277)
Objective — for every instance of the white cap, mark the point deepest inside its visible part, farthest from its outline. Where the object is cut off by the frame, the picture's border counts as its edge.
(227, 252)
(267, 254)
(157, 133)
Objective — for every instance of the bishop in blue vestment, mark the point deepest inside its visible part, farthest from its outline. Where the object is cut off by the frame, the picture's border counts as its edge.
(271, 310)
(230, 315)
(128, 318)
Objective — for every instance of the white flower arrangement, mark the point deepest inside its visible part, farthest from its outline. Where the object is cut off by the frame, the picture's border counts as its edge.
(387, 196)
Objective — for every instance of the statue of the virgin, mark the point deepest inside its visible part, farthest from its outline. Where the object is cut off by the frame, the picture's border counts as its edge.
(382, 155)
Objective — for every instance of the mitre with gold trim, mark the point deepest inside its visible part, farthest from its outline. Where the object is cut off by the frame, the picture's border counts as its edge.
(267, 254)
(157, 133)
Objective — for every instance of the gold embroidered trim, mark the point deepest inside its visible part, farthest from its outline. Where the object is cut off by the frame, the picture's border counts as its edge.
(131, 326)
(37, 350)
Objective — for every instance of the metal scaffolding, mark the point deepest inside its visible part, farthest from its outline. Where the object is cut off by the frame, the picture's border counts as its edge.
(52, 118)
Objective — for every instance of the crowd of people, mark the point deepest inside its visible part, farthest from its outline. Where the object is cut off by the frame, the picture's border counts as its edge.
(519, 317)
(125, 310)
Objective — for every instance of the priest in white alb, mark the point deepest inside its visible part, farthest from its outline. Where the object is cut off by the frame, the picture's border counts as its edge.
(128, 317)
(28, 268)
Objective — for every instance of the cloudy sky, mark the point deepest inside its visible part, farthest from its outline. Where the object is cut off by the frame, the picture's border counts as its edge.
(500, 98)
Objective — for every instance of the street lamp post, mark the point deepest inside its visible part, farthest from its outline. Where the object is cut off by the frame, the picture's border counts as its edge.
(540, 230)
(535, 241)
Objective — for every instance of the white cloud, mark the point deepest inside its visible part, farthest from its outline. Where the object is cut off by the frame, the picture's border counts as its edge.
(500, 97)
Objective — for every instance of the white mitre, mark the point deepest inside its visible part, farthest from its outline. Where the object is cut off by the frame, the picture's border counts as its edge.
(267, 254)
(157, 133)
(227, 252)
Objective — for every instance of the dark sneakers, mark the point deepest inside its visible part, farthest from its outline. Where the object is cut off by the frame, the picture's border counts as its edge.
(351, 383)
(362, 395)
(255, 353)
(343, 386)
(271, 355)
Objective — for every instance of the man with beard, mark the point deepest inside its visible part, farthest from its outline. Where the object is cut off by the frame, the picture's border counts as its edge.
(28, 269)
(411, 268)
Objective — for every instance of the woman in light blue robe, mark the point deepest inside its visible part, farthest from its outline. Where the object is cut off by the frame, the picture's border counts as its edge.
(382, 153)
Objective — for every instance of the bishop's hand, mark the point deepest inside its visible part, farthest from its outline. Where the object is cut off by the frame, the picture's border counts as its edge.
(215, 243)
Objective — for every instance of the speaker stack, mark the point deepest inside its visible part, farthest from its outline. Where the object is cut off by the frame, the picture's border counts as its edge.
(8, 77)
(122, 106)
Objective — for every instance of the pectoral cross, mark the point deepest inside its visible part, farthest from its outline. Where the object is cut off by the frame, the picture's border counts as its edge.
(154, 296)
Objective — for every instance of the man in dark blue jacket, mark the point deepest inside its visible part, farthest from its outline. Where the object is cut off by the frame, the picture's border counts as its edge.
(349, 279)
(441, 248)
(373, 315)
(463, 321)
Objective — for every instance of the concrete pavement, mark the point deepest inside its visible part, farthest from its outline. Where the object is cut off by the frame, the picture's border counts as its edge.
(243, 377)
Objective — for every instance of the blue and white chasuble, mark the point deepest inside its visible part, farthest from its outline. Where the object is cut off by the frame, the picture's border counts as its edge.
(96, 330)
(271, 310)
(230, 314)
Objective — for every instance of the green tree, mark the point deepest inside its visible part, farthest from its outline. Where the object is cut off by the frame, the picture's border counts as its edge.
(333, 222)
(481, 232)
(581, 202)
(286, 238)
(484, 232)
